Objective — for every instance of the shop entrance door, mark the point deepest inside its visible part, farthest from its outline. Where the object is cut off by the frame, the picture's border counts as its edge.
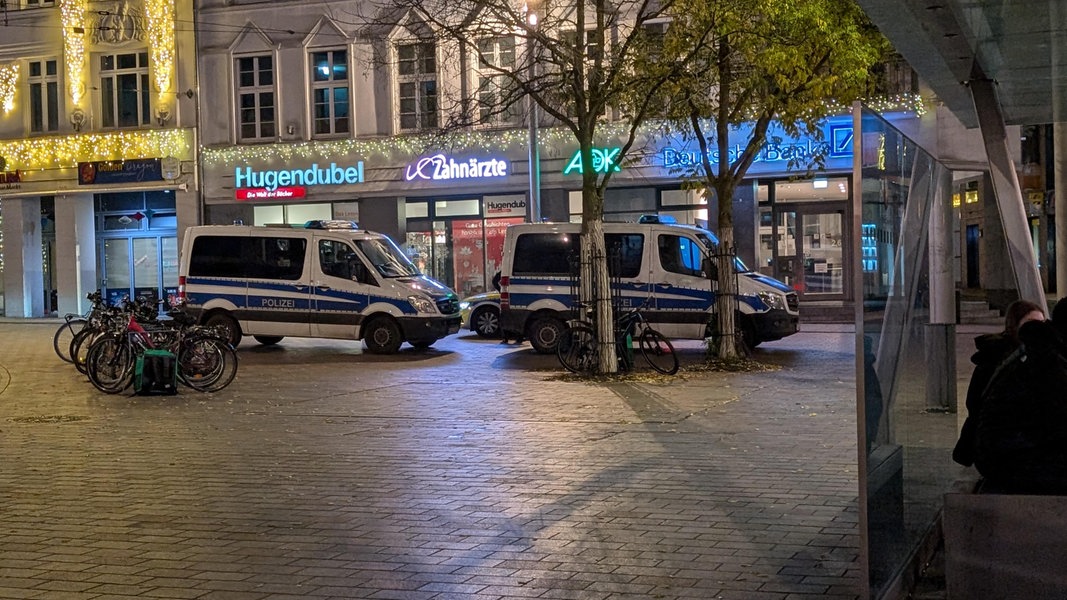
(805, 247)
(141, 267)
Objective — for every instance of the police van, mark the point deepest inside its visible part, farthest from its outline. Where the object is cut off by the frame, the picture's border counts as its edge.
(655, 262)
(328, 279)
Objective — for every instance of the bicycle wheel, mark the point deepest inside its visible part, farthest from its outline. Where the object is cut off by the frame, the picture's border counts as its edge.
(206, 364)
(110, 364)
(658, 351)
(79, 347)
(577, 349)
(64, 336)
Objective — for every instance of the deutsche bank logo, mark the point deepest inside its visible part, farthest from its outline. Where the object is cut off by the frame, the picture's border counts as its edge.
(840, 141)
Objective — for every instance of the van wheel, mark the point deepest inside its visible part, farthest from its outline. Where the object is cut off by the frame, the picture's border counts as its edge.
(268, 340)
(544, 334)
(229, 327)
(382, 336)
(486, 322)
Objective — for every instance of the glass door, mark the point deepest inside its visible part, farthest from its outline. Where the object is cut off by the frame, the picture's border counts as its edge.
(823, 254)
(805, 247)
(142, 268)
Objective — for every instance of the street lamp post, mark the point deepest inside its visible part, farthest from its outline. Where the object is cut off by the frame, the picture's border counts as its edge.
(533, 206)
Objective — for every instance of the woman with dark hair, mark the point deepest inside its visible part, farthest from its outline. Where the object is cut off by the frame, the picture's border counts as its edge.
(1021, 431)
(991, 350)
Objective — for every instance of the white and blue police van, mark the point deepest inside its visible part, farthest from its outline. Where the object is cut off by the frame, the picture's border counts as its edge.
(327, 279)
(655, 263)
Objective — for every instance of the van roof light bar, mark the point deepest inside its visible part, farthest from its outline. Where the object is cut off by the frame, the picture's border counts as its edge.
(331, 224)
(656, 220)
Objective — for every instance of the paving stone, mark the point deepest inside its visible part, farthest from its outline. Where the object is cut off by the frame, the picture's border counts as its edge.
(471, 471)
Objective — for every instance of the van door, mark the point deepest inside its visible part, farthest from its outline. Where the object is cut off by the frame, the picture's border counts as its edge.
(340, 283)
(683, 297)
(274, 269)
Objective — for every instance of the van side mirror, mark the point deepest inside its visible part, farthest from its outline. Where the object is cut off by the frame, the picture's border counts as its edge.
(710, 269)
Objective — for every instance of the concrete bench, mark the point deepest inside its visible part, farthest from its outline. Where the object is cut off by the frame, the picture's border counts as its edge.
(1004, 545)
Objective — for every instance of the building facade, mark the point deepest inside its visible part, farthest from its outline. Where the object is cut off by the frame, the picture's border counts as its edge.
(123, 123)
(318, 117)
(97, 150)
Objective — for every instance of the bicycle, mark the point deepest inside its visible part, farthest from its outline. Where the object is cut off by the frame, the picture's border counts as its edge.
(577, 348)
(205, 360)
(73, 323)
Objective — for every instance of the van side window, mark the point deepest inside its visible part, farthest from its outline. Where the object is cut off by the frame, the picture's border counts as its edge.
(624, 254)
(242, 257)
(557, 254)
(338, 259)
(679, 254)
(545, 254)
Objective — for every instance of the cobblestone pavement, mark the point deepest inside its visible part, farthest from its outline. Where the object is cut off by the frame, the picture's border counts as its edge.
(473, 470)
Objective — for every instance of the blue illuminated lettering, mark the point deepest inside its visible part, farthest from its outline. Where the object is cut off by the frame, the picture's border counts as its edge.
(248, 177)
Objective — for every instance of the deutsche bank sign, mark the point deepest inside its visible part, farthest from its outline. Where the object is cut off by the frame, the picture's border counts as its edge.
(835, 146)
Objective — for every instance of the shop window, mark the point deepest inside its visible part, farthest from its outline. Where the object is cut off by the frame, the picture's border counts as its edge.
(456, 208)
(498, 101)
(417, 85)
(330, 102)
(43, 79)
(124, 90)
(256, 110)
(296, 214)
(417, 210)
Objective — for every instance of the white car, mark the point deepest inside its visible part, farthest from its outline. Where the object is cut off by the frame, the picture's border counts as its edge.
(481, 314)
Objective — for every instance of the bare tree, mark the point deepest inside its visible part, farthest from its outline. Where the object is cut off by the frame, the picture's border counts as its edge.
(577, 62)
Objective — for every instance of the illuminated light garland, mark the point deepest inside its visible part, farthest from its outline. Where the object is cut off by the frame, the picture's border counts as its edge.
(9, 77)
(68, 150)
(159, 15)
(494, 141)
(74, 25)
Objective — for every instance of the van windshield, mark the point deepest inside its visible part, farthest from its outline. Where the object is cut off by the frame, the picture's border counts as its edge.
(386, 258)
(712, 244)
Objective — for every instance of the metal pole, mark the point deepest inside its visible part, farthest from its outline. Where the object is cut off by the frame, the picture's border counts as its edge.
(533, 207)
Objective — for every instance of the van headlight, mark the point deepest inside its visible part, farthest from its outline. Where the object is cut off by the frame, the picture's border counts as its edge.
(423, 305)
(775, 301)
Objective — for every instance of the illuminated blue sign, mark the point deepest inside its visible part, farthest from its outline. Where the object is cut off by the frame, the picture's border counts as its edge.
(780, 154)
(314, 175)
(440, 167)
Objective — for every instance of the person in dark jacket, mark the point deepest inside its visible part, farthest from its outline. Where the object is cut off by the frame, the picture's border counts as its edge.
(991, 350)
(1021, 430)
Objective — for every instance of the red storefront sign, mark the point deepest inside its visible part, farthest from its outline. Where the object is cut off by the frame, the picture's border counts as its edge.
(282, 193)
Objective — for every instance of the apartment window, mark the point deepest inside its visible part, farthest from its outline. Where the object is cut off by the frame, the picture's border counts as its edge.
(417, 77)
(43, 79)
(329, 91)
(124, 90)
(497, 101)
(256, 118)
(38, 3)
(590, 43)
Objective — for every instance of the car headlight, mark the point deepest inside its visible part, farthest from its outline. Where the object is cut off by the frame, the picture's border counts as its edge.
(423, 305)
(775, 301)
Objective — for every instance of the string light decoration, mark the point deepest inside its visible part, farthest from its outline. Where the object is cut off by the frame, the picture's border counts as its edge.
(9, 77)
(73, 14)
(159, 16)
(66, 151)
(405, 147)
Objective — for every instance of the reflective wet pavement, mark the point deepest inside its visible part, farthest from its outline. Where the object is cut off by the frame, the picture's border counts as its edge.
(473, 470)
